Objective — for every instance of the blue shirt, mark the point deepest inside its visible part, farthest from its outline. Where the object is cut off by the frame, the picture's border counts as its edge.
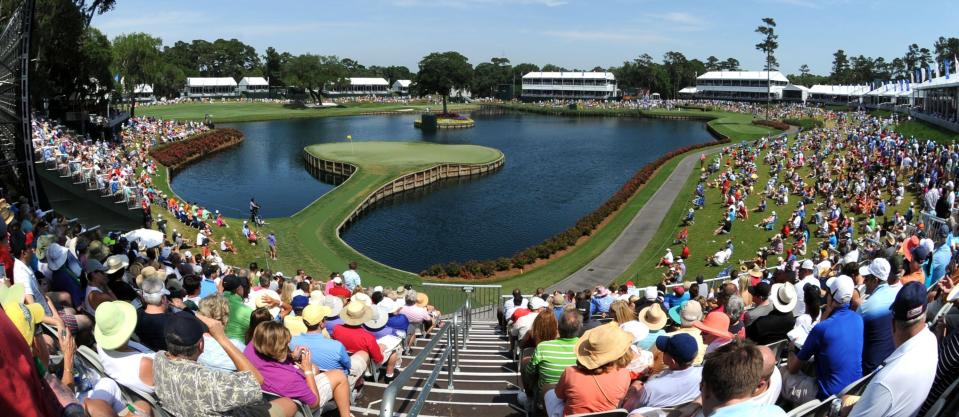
(601, 305)
(837, 345)
(327, 353)
(208, 287)
(398, 322)
(749, 409)
(331, 323)
(940, 259)
(877, 325)
(671, 300)
(650, 340)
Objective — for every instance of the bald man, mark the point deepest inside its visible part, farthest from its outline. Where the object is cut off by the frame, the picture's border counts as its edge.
(772, 381)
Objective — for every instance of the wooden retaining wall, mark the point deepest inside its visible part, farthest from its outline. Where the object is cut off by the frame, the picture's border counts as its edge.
(406, 182)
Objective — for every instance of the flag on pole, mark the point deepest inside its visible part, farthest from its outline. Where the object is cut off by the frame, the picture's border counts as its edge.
(956, 60)
(907, 85)
(922, 74)
(913, 76)
(946, 63)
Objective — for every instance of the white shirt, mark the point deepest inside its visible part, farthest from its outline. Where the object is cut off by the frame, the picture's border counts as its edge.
(910, 369)
(771, 394)
(801, 296)
(22, 274)
(523, 324)
(671, 388)
(509, 308)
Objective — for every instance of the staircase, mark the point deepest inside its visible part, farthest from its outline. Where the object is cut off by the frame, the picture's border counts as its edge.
(486, 382)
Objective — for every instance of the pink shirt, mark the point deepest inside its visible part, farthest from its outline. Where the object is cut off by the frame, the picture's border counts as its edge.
(415, 314)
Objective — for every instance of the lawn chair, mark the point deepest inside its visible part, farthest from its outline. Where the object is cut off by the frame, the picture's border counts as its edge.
(947, 404)
(779, 348)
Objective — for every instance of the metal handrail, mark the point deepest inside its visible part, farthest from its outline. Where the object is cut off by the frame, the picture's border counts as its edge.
(389, 395)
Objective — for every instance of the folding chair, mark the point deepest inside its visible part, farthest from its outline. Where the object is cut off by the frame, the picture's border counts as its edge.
(801, 410)
(778, 348)
(302, 410)
(947, 404)
(619, 412)
(859, 385)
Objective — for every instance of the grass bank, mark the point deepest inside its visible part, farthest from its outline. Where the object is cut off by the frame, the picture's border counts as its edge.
(230, 112)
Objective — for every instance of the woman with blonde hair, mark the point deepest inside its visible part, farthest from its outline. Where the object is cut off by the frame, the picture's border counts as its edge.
(292, 374)
(286, 292)
(217, 308)
(622, 312)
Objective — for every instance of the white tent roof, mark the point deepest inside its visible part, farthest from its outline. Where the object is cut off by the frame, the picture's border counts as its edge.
(253, 81)
(367, 81)
(793, 87)
(940, 82)
(210, 81)
(839, 90)
(688, 90)
(403, 83)
(578, 75)
(743, 75)
(143, 89)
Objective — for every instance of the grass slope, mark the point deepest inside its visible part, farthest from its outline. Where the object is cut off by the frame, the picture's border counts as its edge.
(228, 112)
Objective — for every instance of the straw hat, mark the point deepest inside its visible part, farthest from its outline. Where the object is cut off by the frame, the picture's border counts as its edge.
(602, 345)
(97, 250)
(355, 314)
(294, 324)
(313, 314)
(362, 298)
(653, 317)
(116, 262)
(756, 272)
(335, 304)
(422, 299)
(380, 317)
(148, 272)
(115, 323)
(25, 317)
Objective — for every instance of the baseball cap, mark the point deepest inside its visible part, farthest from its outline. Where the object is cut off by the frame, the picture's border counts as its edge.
(337, 280)
(231, 283)
(681, 346)
(315, 313)
(300, 301)
(650, 293)
(537, 303)
(807, 264)
(878, 268)
(184, 329)
(920, 253)
(910, 302)
(679, 290)
(841, 288)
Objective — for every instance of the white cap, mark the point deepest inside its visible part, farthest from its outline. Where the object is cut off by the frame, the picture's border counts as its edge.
(807, 264)
(650, 293)
(878, 268)
(537, 303)
(841, 288)
(378, 288)
(337, 280)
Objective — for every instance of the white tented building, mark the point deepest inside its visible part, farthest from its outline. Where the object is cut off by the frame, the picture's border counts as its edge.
(144, 93)
(210, 87)
(402, 87)
(838, 94)
(361, 86)
(569, 85)
(738, 85)
(254, 87)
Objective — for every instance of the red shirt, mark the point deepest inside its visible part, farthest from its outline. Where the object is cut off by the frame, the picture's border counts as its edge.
(339, 291)
(519, 312)
(23, 393)
(356, 339)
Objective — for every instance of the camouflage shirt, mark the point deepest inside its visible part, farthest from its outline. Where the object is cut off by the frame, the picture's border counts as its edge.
(189, 389)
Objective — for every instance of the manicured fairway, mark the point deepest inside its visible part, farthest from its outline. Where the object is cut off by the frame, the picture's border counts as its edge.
(224, 112)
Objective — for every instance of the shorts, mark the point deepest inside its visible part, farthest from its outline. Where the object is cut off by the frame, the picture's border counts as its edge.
(324, 388)
(70, 321)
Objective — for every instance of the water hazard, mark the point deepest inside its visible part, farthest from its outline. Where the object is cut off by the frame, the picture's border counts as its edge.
(557, 169)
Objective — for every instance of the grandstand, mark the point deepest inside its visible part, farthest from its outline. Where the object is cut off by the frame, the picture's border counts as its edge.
(538, 85)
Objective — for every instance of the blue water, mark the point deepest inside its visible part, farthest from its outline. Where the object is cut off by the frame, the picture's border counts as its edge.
(557, 169)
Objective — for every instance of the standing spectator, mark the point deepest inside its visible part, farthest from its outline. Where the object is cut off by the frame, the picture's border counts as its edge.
(351, 279)
(677, 385)
(911, 368)
(876, 316)
(836, 343)
(599, 380)
(271, 242)
(731, 376)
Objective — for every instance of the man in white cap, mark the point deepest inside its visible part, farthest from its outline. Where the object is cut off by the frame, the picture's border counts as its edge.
(806, 277)
(876, 317)
(836, 343)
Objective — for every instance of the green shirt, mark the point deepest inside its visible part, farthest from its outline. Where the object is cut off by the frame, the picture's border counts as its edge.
(551, 358)
(239, 317)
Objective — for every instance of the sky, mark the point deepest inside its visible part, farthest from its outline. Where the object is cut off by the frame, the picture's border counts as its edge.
(569, 33)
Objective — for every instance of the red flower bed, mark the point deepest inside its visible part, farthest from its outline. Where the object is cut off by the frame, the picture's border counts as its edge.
(176, 154)
(584, 227)
(775, 124)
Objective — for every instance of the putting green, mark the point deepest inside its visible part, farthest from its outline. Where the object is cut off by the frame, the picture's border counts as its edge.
(391, 157)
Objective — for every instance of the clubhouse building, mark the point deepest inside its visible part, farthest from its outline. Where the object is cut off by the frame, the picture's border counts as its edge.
(210, 87)
(569, 86)
(360, 86)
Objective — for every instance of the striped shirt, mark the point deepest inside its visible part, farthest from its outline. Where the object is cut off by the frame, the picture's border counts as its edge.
(946, 372)
(551, 358)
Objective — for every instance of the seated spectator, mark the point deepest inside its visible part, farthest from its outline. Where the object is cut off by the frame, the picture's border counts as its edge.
(678, 296)
(655, 319)
(808, 319)
(774, 326)
(336, 307)
(326, 353)
(129, 363)
(155, 313)
(685, 315)
(552, 357)
(234, 291)
(771, 383)
(599, 380)
(911, 368)
(544, 328)
(338, 289)
(176, 374)
(600, 302)
(675, 386)
(760, 293)
(292, 374)
(217, 308)
(396, 321)
(714, 330)
(416, 314)
(523, 324)
(735, 309)
(731, 377)
(97, 290)
(836, 344)
(352, 335)
(882, 288)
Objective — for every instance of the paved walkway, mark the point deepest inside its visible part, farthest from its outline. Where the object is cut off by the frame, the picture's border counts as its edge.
(636, 236)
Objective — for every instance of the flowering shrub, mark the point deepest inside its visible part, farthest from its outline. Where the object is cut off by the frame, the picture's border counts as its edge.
(775, 124)
(585, 226)
(455, 116)
(176, 154)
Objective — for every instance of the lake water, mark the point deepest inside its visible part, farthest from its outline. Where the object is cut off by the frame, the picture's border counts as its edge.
(557, 169)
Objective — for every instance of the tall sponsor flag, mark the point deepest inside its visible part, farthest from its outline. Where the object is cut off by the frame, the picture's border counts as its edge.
(946, 63)
(907, 85)
(922, 74)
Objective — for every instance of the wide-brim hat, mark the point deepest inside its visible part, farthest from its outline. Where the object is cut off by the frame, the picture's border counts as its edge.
(335, 304)
(116, 262)
(602, 345)
(653, 317)
(25, 317)
(148, 272)
(362, 298)
(783, 297)
(257, 298)
(97, 250)
(56, 256)
(115, 321)
(756, 272)
(355, 314)
(380, 317)
(716, 324)
(317, 297)
(422, 299)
